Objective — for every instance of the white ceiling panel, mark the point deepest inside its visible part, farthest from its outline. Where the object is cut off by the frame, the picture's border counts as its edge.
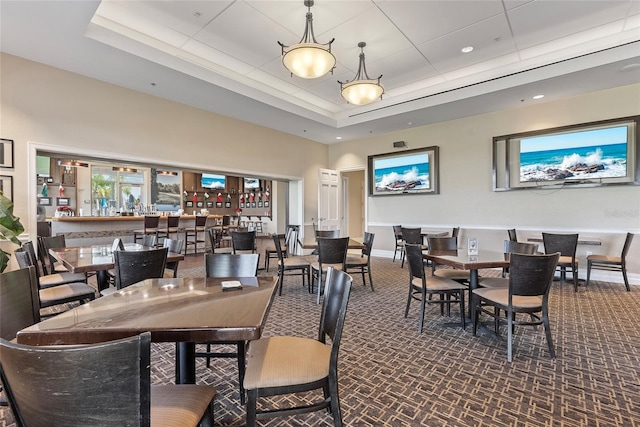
(223, 55)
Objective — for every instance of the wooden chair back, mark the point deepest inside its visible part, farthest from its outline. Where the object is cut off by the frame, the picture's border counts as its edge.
(332, 250)
(151, 222)
(19, 301)
(511, 247)
(327, 234)
(566, 244)
(231, 265)
(625, 248)
(512, 235)
(415, 261)
(455, 232)
(412, 236)
(531, 275)
(134, 266)
(334, 309)
(46, 243)
(175, 246)
(243, 241)
(443, 244)
(277, 243)
(106, 384)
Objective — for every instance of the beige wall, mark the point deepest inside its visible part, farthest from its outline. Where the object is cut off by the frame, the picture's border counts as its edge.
(354, 200)
(466, 197)
(50, 106)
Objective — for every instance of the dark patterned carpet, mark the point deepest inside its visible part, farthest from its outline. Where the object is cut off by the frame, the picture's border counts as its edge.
(392, 376)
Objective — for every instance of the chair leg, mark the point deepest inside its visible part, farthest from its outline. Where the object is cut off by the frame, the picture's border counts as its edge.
(475, 304)
(242, 354)
(335, 401)
(364, 282)
(281, 275)
(423, 303)
(626, 279)
(252, 397)
(462, 319)
(371, 278)
(574, 272)
(406, 310)
(588, 272)
(509, 335)
(547, 331)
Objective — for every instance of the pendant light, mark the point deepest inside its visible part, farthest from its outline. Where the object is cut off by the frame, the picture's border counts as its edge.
(308, 59)
(361, 90)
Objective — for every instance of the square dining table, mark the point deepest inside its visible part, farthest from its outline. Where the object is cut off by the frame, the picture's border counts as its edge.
(182, 310)
(98, 258)
(460, 259)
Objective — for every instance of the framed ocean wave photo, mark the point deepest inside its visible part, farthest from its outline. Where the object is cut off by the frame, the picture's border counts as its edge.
(405, 172)
(590, 154)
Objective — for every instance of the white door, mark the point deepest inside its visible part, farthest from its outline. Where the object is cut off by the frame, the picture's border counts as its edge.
(328, 199)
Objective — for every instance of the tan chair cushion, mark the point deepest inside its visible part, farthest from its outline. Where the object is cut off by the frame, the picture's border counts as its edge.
(501, 296)
(280, 361)
(69, 290)
(295, 261)
(56, 279)
(439, 284)
(179, 405)
(605, 259)
(566, 260)
(316, 266)
(356, 261)
(494, 282)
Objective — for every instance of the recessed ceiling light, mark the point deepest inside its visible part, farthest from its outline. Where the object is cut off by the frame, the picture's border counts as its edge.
(467, 49)
(630, 67)
(538, 97)
(338, 137)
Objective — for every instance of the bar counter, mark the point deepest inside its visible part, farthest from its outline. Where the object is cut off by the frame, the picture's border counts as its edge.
(93, 230)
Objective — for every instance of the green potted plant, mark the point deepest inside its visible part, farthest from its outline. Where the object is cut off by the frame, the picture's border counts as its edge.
(10, 228)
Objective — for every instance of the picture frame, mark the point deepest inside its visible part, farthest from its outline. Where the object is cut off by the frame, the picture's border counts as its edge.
(200, 204)
(404, 172)
(209, 204)
(6, 153)
(44, 201)
(6, 185)
(266, 204)
(189, 204)
(593, 154)
(62, 201)
(218, 204)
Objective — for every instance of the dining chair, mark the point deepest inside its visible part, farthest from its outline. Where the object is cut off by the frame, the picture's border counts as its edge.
(412, 236)
(611, 263)
(151, 223)
(243, 242)
(399, 243)
(60, 294)
(135, 266)
(455, 232)
(54, 279)
(171, 228)
(281, 365)
(270, 250)
(510, 247)
(215, 242)
(223, 266)
(420, 286)
(149, 240)
(332, 252)
(295, 265)
(530, 278)
(447, 244)
(175, 246)
(288, 244)
(362, 262)
(566, 245)
(19, 303)
(192, 234)
(105, 384)
(48, 262)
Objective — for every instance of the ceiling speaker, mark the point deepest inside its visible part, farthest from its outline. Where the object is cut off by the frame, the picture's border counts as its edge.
(399, 144)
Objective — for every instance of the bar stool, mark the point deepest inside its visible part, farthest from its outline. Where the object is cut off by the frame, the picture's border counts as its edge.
(150, 227)
(191, 235)
(173, 221)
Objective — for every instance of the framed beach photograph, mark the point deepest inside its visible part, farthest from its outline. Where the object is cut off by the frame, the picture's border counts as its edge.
(405, 172)
(6, 153)
(588, 154)
(6, 186)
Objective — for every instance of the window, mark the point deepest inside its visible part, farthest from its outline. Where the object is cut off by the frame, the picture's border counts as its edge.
(120, 188)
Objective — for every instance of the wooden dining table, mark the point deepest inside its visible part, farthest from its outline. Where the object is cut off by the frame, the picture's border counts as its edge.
(184, 310)
(460, 259)
(98, 258)
(313, 244)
